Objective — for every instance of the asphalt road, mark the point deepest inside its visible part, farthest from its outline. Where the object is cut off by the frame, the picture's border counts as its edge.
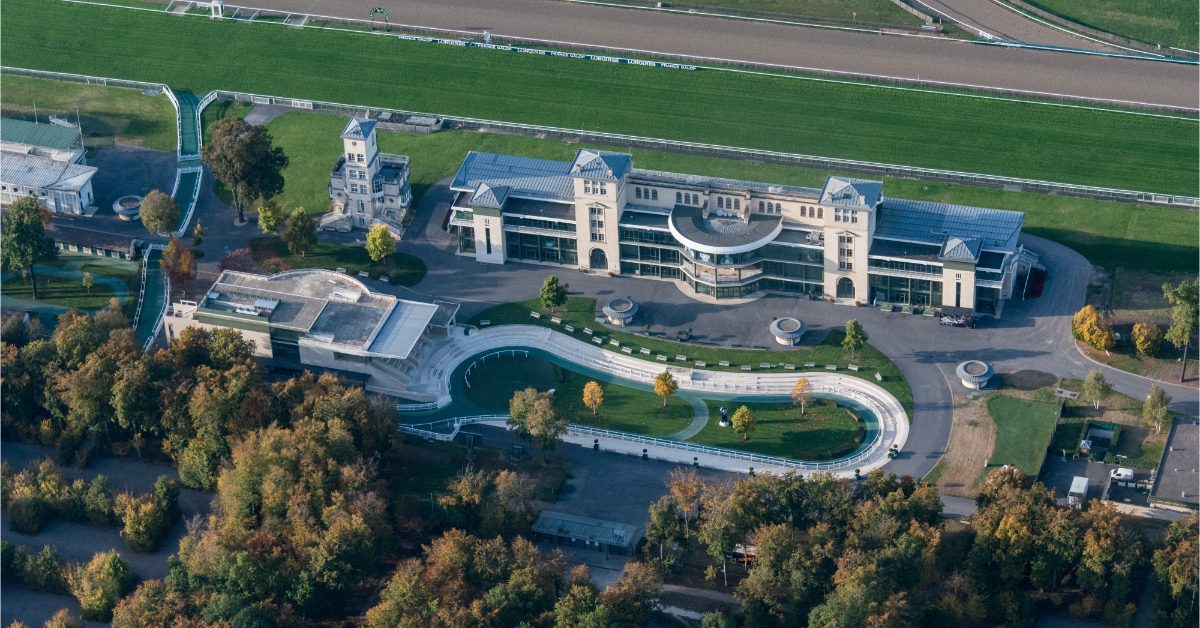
(956, 62)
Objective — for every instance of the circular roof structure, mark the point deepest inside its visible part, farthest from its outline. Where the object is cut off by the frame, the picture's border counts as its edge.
(720, 233)
(974, 371)
(620, 309)
(787, 328)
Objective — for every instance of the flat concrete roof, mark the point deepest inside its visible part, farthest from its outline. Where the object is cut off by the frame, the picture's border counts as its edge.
(1178, 478)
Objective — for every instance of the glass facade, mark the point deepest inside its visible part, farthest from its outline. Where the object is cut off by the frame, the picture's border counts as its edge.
(986, 300)
(466, 239)
(538, 223)
(903, 290)
(540, 248)
(908, 267)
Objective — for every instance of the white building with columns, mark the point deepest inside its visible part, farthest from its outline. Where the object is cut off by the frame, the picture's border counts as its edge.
(725, 239)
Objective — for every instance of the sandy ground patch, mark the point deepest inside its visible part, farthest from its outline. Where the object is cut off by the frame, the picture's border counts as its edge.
(971, 441)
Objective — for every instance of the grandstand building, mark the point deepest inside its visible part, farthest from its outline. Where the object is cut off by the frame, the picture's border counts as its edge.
(46, 161)
(732, 239)
(319, 320)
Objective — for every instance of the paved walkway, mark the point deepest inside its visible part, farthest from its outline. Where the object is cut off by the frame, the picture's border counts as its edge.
(699, 419)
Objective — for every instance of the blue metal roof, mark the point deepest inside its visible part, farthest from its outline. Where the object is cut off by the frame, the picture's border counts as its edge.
(358, 129)
(932, 223)
(490, 196)
(852, 193)
(525, 177)
(601, 164)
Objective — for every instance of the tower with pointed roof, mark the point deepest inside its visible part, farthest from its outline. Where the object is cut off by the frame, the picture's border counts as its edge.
(367, 187)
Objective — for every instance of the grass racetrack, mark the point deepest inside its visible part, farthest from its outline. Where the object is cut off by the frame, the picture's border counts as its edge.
(1163, 22)
(806, 116)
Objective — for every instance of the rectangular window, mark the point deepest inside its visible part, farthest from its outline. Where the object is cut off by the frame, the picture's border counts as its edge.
(737, 203)
(854, 217)
(637, 192)
(654, 194)
(361, 207)
(487, 239)
(602, 190)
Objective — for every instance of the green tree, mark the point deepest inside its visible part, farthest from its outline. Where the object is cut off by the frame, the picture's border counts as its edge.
(380, 243)
(243, 159)
(544, 425)
(100, 584)
(855, 338)
(717, 530)
(270, 215)
(301, 232)
(665, 386)
(744, 422)
(144, 521)
(87, 281)
(1095, 388)
(135, 401)
(553, 293)
(1154, 409)
(24, 242)
(1184, 301)
(769, 582)
(159, 212)
(666, 523)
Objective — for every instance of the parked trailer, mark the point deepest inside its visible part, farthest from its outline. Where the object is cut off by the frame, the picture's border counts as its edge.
(1078, 493)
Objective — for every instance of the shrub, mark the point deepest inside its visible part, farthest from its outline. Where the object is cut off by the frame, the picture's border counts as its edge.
(1147, 338)
(40, 572)
(1090, 327)
(28, 514)
(146, 519)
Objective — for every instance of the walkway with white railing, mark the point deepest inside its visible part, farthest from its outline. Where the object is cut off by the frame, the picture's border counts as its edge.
(442, 360)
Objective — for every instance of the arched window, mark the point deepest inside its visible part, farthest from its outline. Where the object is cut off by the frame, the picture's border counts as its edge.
(654, 194)
(720, 202)
(760, 207)
(637, 192)
(821, 213)
(679, 197)
(737, 203)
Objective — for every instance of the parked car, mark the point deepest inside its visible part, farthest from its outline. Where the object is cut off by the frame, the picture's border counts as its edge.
(1122, 474)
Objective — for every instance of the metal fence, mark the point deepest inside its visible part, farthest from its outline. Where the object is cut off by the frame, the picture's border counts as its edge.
(1015, 184)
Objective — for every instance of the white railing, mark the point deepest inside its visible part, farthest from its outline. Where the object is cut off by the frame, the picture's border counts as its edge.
(191, 207)
(431, 431)
(798, 159)
(142, 288)
(178, 122)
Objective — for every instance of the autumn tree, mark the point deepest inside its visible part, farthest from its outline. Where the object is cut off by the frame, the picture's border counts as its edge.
(1154, 410)
(531, 415)
(179, 262)
(593, 396)
(100, 584)
(300, 233)
(380, 243)
(242, 158)
(270, 215)
(553, 293)
(1147, 338)
(1089, 326)
(665, 386)
(1184, 302)
(87, 281)
(635, 595)
(24, 242)
(685, 486)
(855, 338)
(744, 422)
(717, 530)
(154, 603)
(159, 212)
(1095, 388)
(802, 394)
(1174, 565)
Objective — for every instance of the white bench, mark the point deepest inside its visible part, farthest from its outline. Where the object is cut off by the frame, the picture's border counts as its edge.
(830, 367)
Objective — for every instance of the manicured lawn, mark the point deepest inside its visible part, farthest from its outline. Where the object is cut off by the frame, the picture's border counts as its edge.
(69, 291)
(106, 113)
(825, 432)
(627, 409)
(1109, 234)
(1023, 430)
(1164, 22)
(580, 312)
(865, 11)
(889, 125)
(400, 268)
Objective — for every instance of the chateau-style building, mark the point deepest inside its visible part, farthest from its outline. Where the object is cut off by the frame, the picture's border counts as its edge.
(367, 187)
(727, 238)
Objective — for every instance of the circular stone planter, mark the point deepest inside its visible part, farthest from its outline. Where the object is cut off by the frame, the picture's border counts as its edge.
(620, 311)
(128, 207)
(974, 374)
(787, 331)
